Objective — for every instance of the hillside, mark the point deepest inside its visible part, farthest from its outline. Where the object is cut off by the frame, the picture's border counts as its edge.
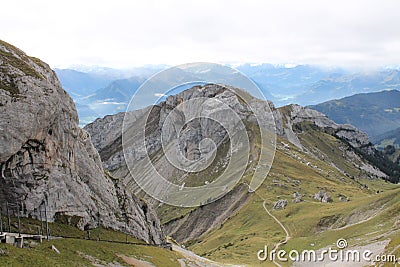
(374, 113)
(388, 138)
(314, 155)
(389, 144)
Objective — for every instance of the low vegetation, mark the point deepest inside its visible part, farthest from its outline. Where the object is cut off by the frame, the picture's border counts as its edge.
(367, 213)
(76, 250)
(18, 63)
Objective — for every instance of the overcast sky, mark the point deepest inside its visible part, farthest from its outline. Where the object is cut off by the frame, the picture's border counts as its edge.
(116, 33)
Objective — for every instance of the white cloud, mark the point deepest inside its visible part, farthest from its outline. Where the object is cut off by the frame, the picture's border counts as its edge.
(159, 95)
(130, 33)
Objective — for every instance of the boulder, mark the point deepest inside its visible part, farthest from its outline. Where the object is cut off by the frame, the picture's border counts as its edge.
(280, 204)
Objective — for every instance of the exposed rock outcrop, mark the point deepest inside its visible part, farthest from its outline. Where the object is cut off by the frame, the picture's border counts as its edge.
(297, 198)
(106, 132)
(208, 217)
(46, 159)
(106, 136)
(280, 204)
(323, 196)
(294, 114)
(358, 149)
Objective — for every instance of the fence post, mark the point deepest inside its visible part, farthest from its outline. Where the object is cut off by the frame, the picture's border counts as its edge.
(47, 223)
(8, 218)
(19, 221)
(1, 223)
(41, 222)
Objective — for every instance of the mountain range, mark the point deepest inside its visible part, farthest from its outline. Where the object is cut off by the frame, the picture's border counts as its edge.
(302, 84)
(375, 113)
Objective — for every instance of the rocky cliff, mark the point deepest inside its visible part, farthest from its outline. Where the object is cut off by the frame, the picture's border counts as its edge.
(106, 136)
(106, 132)
(295, 114)
(47, 160)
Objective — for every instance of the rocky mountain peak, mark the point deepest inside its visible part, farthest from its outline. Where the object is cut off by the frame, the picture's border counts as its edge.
(295, 114)
(106, 132)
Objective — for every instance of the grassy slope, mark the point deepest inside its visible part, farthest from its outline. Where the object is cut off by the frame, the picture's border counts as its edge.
(309, 222)
(71, 251)
(74, 251)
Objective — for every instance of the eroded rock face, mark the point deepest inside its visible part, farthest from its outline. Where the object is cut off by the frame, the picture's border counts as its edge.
(294, 114)
(323, 196)
(106, 132)
(106, 136)
(297, 198)
(280, 204)
(46, 159)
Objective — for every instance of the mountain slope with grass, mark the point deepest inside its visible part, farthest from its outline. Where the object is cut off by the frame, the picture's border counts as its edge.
(389, 144)
(388, 138)
(326, 182)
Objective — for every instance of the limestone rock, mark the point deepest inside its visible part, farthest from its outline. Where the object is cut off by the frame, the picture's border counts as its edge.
(106, 136)
(280, 204)
(323, 196)
(297, 198)
(46, 159)
(294, 114)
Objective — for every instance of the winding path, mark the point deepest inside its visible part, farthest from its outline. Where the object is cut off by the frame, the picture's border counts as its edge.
(284, 229)
(287, 237)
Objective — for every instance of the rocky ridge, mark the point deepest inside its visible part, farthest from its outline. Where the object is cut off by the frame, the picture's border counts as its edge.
(47, 160)
(106, 132)
(106, 136)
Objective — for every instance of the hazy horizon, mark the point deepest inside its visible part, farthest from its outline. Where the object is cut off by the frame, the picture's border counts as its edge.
(123, 34)
(158, 66)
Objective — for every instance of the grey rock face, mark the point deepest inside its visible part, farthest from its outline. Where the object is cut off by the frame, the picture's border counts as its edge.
(209, 216)
(296, 114)
(106, 132)
(106, 135)
(297, 198)
(323, 196)
(46, 159)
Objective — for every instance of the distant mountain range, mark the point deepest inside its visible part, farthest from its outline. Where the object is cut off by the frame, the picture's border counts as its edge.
(374, 113)
(102, 91)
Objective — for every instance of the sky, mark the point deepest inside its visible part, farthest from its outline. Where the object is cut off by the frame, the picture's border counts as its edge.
(123, 34)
